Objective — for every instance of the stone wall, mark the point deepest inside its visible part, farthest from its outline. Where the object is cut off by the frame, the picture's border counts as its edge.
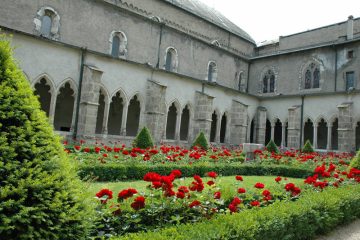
(238, 123)
(294, 128)
(260, 125)
(345, 129)
(202, 115)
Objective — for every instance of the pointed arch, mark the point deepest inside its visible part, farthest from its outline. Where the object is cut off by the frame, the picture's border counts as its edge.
(171, 59)
(185, 123)
(278, 128)
(103, 102)
(65, 105)
(171, 120)
(116, 110)
(311, 74)
(118, 44)
(214, 121)
(133, 116)
(223, 127)
(268, 80)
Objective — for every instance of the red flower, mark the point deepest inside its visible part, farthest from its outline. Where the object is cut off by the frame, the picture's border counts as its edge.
(156, 185)
(289, 186)
(125, 152)
(87, 150)
(138, 203)
(217, 195)
(183, 189)
(212, 174)
(232, 208)
(127, 193)
(180, 195)
(77, 147)
(104, 192)
(278, 179)
(152, 177)
(176, 173)
(239, 178)
(198, 178)
(105, 155)
(236, 201)
(241, 190)
(255, 203)
(133, 154)
(97, 149)
(210, 183)
(194, 204)
(266, 193)
(259, 185)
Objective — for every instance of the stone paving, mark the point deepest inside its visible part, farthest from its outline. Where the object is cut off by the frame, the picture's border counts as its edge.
(347, 232)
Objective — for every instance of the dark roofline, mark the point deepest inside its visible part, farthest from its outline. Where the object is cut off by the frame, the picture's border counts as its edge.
(318, 28)
(252, 41)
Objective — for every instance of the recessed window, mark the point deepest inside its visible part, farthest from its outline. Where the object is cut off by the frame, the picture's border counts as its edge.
(269, 82)
(312, 76)
(212, 72)
(350, 83)
(171, 60)
(350, 54)
(47, 23)
(118, 44)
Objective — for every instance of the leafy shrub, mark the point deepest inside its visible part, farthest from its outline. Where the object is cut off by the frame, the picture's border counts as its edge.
(143, 139)
(314, 213)
(117, 172)
(307, 147)
(201, 141)
(271, 147)
(40, 194)
(355, 162)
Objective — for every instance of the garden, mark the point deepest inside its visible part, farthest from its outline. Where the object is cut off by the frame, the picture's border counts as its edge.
(56, 189)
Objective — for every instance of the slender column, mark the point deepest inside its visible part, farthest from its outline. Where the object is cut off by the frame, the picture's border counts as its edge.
(315, 137)
(272, 131)
(73, 114)
(329, 139)
(283, 136)
(52, 107)
(124, 119)
(218, 127)
(106, 117)
(178, 124)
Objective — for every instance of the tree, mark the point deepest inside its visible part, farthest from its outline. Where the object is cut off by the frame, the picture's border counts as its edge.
(143, 139)
(40, 193)
(271, 147)
(201, 141)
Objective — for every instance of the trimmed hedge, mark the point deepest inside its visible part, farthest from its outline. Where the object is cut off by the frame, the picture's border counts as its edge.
(143, 139)
(116, 172)
(201, 141)
(355, 162)
(313, 214)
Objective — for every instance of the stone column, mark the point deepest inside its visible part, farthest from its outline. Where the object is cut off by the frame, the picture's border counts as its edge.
(272, 131)
(178, 124)
(315, 134)
(294, 127)
(52, 107)
(238, 123)
(124, 119)
(218, 127)
(283, 135)
(346, 139)
(260, 125)
(89, 102)
(202, 116)
(155, 109)
(329, 137)
(106, 117)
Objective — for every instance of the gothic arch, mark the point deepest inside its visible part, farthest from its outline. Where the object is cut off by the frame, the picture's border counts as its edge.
(72, 84)
(44, 88)
(319, 118)
(102, 108)
(54, 26)
(173, 110)
(122, 93)
(48, 79)
(304, 67)
(172, 63)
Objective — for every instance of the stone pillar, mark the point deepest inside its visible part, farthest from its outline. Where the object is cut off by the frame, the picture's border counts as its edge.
(89, 102)
(202, 116)
(124, 119)
(52, 107)
(155, 109)
(315, 134)
(178, 124)
(218, 128)
(272, 131)
(283, 136)
(346, 139)
(260, 125)
(238, 123)
(329, 139)
(294, 127)
(106, 117)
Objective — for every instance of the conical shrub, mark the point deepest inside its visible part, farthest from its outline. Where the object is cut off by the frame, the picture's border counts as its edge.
(40, 193)
(355, 162)
(201, 141)
(307, 147)
(143, 139)
(271, 147)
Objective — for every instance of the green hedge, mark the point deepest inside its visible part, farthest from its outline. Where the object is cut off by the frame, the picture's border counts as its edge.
(116, 172)
(313, 214)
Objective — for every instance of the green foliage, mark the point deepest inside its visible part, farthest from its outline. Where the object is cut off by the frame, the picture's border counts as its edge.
(271, 147)
(117, 172)
(307, 147)
(143, 139)
(314, 213)
(40, 194)
(201, 141)
(355, 162)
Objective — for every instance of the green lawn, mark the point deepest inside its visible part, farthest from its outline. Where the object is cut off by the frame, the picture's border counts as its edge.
(228, 184)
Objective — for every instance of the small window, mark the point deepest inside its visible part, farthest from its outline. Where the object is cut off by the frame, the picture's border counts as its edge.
(312, 77)
(171, 60)
(350, 54)
(212, 72)
(115, 46)
(118, 44)
(269, 82)
(47, 23)
(46, 26)
(350, 80)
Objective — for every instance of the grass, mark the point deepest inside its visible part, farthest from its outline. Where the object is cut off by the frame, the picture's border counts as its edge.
(228, 184)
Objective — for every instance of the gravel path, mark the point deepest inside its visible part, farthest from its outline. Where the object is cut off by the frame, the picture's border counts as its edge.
(347, 232)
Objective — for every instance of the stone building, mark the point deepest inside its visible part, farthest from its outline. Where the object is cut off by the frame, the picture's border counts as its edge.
(105, 68)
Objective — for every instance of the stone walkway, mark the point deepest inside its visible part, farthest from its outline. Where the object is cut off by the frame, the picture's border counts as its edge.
(347, 232)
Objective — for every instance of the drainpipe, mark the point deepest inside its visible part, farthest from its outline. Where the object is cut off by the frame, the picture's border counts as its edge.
(301, 119)
(336, 61)
(83, 52)
(248, 78)
(160, 39)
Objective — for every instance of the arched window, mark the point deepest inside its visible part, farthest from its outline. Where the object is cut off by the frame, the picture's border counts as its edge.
(42, 89)
(64, 108)
(312, 76)
(171, 60)
(185, 121)
(212, 72)
(115, 114)
(47, 23)
(213, 127)
(171, 122)
(133, 117)
(118, 44)
(269, 82)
